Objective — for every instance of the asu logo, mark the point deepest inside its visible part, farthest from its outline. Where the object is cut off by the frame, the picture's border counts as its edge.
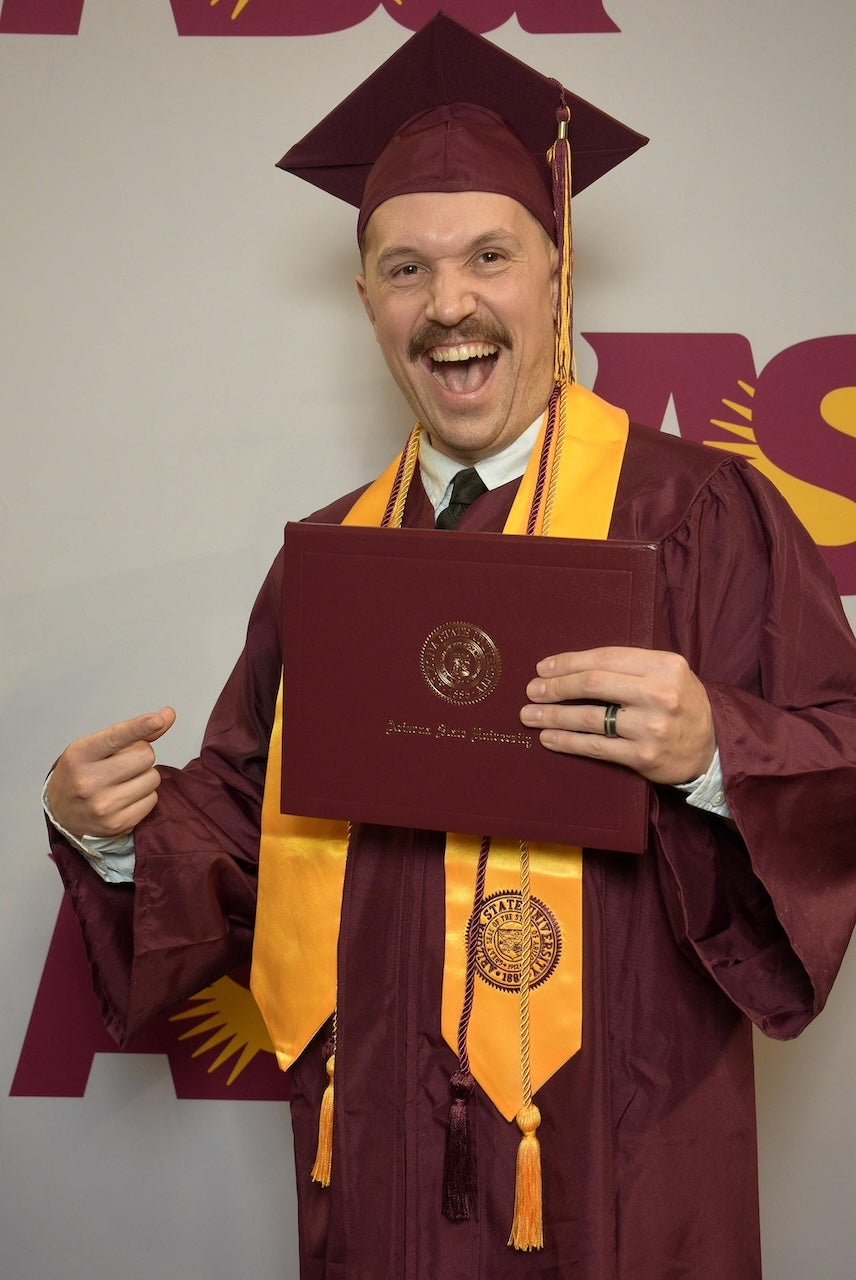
(216, 1045)
(499, 941)
(794, 420)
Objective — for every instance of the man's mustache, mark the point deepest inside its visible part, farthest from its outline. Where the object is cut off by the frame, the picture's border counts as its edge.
(431, 334)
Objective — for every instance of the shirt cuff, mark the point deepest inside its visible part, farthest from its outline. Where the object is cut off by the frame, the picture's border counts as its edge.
(708, 791)
(111, 857)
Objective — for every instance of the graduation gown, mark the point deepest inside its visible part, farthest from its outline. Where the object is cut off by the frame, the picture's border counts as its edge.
(648, 1133)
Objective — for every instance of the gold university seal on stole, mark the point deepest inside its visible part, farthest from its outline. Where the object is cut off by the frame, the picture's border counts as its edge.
(499, 941)
(460, 663)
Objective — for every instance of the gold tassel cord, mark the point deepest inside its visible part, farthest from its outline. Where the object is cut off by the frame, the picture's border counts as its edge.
(411, 455)
(527, 1228)
(561, 420)
(323, 1165)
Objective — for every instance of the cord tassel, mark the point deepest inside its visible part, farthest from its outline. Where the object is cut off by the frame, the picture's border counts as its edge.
(324, 1154)
(459, 1170)
(527, 1226)
(459, 1177)
(527, 1231)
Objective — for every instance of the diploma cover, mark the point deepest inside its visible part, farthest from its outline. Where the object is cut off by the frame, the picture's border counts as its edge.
(407, 654)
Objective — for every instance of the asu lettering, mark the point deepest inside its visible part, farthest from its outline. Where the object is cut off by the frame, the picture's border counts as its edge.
(66, 1032)
(308, 17)
(794, 420)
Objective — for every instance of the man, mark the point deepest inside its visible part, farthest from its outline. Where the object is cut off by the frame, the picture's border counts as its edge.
(742, 716)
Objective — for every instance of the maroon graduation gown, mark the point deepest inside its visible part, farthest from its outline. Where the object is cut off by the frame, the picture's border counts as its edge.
(648, 1133)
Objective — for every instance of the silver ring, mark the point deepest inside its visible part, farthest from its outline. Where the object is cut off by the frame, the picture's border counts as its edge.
(610, 716)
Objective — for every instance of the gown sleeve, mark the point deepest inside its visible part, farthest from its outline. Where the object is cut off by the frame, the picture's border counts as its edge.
(766, 903)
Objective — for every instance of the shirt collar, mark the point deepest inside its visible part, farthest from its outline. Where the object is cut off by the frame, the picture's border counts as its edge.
(438, 469)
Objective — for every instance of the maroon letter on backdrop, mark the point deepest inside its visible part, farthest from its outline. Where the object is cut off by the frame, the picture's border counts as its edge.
(309, 17)
(795, 420)
(66, 1032)
(41, 17)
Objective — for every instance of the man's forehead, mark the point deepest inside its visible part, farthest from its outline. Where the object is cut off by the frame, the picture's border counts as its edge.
(458, 219)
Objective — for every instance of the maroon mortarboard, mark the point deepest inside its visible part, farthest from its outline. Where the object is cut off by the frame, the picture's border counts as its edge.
(450, 111)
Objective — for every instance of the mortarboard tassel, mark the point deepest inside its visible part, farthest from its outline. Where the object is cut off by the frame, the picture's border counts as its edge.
(559, 158)
(527, 1229)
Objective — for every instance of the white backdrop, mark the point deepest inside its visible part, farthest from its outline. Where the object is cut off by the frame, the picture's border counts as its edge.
(184, 367)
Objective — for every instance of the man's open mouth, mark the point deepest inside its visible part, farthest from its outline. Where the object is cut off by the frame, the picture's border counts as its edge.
(464, 367)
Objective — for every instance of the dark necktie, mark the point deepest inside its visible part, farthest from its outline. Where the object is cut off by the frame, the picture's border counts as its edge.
(466, 487)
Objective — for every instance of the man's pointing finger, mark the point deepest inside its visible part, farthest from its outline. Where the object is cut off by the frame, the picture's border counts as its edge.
(145, 728)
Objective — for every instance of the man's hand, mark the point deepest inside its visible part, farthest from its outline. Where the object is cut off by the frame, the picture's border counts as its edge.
(663, 728)
(105, 784)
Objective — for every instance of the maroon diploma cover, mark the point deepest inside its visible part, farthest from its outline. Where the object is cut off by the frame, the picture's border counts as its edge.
(406, 655)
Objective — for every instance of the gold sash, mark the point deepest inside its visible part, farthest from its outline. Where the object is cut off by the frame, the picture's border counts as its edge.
(302, 860)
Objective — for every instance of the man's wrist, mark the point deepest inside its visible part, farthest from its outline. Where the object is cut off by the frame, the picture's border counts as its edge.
(708, 790)
(112, 857)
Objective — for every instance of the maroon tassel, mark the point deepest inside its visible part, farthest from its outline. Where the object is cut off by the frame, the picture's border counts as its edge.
(458, 1175)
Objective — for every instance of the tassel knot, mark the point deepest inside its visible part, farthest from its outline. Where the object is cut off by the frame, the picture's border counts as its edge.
(463, 1085)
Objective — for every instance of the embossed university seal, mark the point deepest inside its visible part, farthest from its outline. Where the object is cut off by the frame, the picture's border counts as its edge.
(499, 941)
(460, 663)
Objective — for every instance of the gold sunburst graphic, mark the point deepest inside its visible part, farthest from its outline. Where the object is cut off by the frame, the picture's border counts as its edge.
(241, 5)
(829, 517)
(232, 1016)
(238, 9)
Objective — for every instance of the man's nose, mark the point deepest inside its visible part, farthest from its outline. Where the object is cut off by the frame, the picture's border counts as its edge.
(451, 298)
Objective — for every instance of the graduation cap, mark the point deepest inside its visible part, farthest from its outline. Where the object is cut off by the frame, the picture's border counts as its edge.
(450, 111)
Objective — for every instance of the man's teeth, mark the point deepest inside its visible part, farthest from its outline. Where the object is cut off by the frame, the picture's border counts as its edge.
(467, 351)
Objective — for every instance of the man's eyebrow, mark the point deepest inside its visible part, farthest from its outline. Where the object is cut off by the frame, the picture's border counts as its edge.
(499, 236)
(396, 253)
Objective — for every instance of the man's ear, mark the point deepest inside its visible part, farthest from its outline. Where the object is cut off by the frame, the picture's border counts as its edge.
(364, 299)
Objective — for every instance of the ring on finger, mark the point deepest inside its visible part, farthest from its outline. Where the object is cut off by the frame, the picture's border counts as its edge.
(610, 717)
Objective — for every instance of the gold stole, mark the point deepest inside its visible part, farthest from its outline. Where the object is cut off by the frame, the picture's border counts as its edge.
(302, 860)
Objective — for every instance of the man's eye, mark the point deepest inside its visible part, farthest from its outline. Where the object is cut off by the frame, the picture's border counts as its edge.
(408, 269)
(490, 257)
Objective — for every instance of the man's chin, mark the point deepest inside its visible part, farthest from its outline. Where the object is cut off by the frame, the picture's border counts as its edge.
(467, 437)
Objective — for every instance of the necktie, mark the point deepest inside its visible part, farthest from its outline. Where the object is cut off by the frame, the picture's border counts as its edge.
(466, 487)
